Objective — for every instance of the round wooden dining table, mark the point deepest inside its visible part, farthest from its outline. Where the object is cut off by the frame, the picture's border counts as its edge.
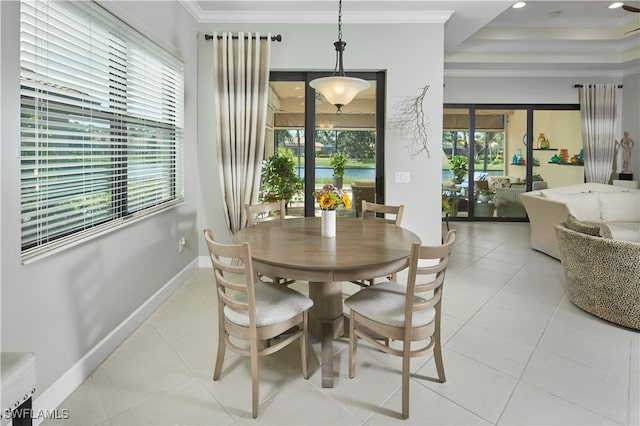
(294, 249)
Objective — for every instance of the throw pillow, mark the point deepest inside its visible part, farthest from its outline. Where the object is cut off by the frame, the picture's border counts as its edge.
(499, 182)
(620, 206)
(605, 232)
(589, 228)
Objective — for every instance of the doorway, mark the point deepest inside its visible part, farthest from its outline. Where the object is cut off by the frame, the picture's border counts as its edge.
(507, 149)
(305, 124)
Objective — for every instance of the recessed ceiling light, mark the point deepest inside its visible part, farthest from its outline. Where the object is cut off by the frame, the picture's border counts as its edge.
(616, 5)
(519, 4)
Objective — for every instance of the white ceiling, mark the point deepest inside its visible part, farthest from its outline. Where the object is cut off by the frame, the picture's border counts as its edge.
(572, 38)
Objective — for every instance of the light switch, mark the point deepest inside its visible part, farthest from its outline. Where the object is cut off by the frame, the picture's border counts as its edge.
(402, 177)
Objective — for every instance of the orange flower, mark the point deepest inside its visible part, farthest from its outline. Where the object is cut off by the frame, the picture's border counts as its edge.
(326, 202)
(329, 197)
(346, 201)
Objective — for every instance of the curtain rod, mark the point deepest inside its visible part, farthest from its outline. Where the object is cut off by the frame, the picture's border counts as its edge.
(578, 86)
(277, 38)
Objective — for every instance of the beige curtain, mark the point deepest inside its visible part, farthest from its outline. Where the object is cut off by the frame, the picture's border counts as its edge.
(598, 113)
(241, 77)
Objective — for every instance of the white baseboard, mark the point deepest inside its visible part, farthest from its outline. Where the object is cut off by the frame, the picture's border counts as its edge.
(55, 394)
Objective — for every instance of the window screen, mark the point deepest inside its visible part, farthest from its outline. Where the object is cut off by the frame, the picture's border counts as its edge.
(101, 124)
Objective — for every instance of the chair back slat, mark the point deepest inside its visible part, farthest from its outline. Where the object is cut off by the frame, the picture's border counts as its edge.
(229, 301)
(436, 259)
(258, 213)
(233, 270)
(371, 211)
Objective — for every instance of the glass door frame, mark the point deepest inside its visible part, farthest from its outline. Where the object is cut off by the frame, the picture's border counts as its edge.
(530, 109)
(310, 125)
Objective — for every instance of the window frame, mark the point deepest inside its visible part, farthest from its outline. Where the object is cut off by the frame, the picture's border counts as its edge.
(143, 128)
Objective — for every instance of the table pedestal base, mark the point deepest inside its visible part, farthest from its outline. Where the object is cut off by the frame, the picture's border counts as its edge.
(326, 322)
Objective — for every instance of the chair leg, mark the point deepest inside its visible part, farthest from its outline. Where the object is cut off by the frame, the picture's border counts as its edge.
(353, 345)
(255, 391)
(222, 346)
(406, 363)
(437, 347)
(437, 355)
(304, 348)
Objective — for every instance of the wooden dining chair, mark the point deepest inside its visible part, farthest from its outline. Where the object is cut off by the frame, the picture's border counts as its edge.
(259, 213)
(407, 314)
(254, 313)
(379, 212)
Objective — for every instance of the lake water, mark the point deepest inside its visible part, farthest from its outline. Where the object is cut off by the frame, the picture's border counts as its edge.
(349, 173)
(362, 173)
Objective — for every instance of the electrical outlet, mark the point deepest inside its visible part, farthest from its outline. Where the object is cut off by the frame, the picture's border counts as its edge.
(182, 243)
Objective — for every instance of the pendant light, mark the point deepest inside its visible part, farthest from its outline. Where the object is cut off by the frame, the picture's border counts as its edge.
(339, 89)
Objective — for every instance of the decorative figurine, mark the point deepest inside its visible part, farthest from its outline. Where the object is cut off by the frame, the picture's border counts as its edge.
(543, 142)
(626, 143)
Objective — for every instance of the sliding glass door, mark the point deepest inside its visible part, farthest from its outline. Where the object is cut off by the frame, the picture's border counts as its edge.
(514, 148)
(322, 142)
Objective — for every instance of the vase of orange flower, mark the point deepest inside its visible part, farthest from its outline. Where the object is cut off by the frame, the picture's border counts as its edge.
(329, 199)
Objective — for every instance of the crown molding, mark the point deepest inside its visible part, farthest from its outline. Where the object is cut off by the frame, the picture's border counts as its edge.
(546, 73)
(191, 7)
(315, 16)
(296, 17)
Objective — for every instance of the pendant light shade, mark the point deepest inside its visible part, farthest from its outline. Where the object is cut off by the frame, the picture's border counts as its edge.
(339, 89)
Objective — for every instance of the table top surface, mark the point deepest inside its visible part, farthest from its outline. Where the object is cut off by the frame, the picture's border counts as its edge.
(297, 243)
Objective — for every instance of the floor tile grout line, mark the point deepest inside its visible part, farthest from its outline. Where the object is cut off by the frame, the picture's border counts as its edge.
(538, 349)
(535, 348)
(468, 410)
(518, 379)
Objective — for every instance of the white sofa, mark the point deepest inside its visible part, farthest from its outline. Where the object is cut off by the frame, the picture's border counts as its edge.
(618, 207)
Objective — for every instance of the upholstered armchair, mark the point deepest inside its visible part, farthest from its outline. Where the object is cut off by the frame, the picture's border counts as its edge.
(602, 275)
(507, 200)
(362, 190)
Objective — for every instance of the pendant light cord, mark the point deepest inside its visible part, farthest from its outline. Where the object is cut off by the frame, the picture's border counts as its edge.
(339, 45)
(340, 20)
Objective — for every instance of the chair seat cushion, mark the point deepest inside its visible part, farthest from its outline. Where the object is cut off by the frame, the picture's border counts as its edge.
(385, 303)
(274, 303)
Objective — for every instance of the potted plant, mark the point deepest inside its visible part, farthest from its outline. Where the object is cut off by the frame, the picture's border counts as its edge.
(459, 167)
(338, 163)
(448, 209)
(485, 195)
(279, 178)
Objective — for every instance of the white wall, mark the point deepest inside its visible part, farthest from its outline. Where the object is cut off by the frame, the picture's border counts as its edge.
(412, 54)
(63, 306)
(516, 90)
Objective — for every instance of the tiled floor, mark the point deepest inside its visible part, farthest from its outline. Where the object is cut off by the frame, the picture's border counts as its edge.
(516, 351)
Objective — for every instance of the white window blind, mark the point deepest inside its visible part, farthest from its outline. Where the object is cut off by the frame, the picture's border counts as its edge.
(102, 119)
